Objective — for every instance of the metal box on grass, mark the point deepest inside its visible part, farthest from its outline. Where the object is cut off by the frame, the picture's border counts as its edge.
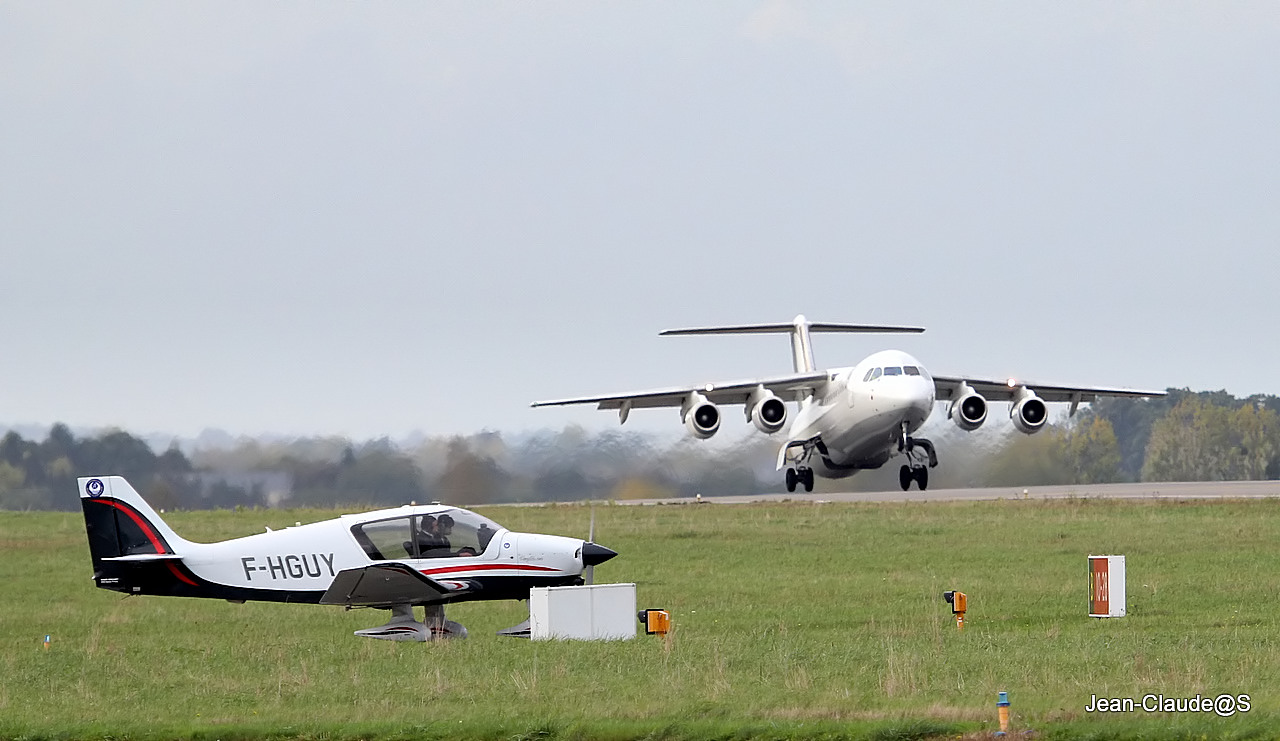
(1106, 586)
(598, 612)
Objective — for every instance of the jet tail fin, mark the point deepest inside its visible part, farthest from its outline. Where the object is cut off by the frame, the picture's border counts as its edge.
(799, 329)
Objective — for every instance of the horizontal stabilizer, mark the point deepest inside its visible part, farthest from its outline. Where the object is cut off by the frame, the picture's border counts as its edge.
(790, 327)
(146, 557)
(799, 328)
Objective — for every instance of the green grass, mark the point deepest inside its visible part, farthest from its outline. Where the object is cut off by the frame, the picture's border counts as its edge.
(791, 621)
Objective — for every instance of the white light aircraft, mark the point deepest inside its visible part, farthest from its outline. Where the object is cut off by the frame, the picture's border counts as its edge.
(852, 418)
(393, 559)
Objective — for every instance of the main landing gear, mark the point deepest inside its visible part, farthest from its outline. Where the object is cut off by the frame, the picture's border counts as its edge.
(800, 475)
(403, 626)
(798, 452)
(918, 464)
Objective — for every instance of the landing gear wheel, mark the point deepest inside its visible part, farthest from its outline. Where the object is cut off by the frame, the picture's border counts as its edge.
(922, 478)
(806, 477)
(791, 479)
(905, 477)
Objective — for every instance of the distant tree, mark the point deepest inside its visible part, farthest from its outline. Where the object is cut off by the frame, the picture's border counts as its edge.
(469, 478)
(160, 494)
(381, 477)
(1030, 460)
(1092, 452)
(1200, 440)
(12, 478)
(1257, 432)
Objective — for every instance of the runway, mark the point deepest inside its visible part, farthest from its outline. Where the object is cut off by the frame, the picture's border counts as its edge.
(1161, 490)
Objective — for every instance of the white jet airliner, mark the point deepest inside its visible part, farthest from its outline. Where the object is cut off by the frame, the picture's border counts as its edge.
(852, 418)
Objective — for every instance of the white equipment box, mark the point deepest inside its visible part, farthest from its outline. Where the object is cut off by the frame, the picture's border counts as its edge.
(598, 612)
(1106, 586)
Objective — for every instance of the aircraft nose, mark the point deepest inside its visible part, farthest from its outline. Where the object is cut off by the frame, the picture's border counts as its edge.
(593, 554)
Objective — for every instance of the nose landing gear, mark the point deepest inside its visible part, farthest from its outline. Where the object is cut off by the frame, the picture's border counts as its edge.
(918, 464)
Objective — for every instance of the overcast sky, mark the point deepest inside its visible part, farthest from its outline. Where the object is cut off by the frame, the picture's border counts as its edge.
(373, 218)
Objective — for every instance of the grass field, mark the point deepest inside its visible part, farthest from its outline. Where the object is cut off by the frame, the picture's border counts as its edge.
(791, 621)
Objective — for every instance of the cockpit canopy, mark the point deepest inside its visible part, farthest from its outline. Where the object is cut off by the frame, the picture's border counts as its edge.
(449, 533)
(892, 370)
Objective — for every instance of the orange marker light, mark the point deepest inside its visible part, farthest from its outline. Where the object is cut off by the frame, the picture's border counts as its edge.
(959, 602)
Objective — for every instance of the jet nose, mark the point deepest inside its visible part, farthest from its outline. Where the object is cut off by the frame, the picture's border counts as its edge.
(593, 554)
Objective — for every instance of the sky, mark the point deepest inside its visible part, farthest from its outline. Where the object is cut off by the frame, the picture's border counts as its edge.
(369, 219)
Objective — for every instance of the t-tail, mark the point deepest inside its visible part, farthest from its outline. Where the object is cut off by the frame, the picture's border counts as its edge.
(132, 549)
(799, 329)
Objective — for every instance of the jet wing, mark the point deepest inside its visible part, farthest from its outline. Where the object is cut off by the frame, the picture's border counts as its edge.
(1002, 390)
(386, 584)
(730, 392)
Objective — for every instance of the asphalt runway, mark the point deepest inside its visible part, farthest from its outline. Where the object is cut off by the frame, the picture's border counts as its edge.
(1164, 490)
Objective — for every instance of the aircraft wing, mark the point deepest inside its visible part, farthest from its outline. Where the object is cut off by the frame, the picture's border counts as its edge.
(1002, 390)
(389, 583)
(731, 392)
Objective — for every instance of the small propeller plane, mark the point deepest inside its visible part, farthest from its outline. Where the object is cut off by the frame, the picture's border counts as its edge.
(393, 559)
(851, 418)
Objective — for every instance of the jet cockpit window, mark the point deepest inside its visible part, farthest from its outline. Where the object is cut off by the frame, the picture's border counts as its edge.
(893, 371)
(911, 370)
(875, 374)
(448, 534)
(870, 374)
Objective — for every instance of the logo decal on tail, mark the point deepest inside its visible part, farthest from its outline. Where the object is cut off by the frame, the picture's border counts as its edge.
(95, 487)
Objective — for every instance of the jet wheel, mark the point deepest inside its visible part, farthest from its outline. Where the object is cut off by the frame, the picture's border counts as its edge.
(806, 477)
(791, 479)
(922, 478)
(905, 477)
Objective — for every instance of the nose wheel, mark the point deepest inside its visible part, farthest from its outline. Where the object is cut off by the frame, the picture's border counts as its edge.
(918, 463)
(800, 475)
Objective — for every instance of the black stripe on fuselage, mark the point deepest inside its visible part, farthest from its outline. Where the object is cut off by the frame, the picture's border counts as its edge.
(169, 578)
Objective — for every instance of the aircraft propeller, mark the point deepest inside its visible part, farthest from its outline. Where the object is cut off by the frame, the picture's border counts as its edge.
(592, 553)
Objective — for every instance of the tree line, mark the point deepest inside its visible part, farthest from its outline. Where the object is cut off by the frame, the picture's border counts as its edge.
(1185, 436)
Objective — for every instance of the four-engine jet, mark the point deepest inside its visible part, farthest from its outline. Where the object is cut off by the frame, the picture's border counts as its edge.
(392, 559)
(851, 418)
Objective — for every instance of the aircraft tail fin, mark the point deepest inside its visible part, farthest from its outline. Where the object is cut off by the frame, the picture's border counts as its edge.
(121, 523)
(799, 329)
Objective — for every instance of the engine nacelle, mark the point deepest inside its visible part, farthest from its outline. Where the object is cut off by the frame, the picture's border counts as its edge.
(969, 410)
(766, 411)
(701, 417)
(1028, 411)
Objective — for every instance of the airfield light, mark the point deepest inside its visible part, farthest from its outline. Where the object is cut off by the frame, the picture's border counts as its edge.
(46, 642)
(1002, 707)
(959, 602)
(655, 622)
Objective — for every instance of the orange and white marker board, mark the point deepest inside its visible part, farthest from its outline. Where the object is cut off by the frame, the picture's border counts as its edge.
(1106, 586)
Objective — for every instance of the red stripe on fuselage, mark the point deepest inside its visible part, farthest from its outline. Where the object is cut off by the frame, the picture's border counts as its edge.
(147, 530)
(174, 568)
(486, 567)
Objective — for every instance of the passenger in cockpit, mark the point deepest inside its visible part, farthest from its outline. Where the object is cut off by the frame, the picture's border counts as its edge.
(426, 536)
(444, 527)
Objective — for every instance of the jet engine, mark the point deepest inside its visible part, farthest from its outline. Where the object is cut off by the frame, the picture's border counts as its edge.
(766, 411)
(1028, 411)
(701, 417)
(969, 410)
